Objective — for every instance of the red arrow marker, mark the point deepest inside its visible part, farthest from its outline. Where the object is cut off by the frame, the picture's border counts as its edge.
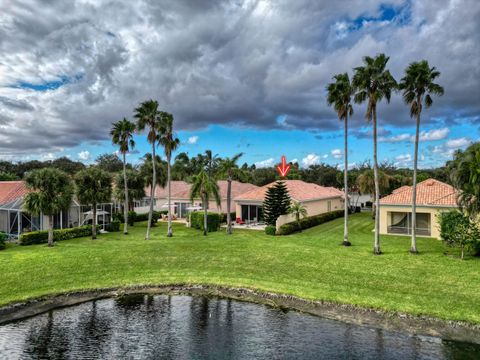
(284, 168)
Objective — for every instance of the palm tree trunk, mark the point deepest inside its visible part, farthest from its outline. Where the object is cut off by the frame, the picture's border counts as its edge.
(50, 230)
(94, 221)
(205, 215)
(413, 247)
(125, 210)
(376, 248)
(345, 183)
(229, 196)
(152, 193)
(169, 231)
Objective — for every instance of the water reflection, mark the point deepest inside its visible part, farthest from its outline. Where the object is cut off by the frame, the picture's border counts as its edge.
(182, 327)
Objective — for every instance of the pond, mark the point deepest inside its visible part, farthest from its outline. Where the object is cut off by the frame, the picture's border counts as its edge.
(184, 327)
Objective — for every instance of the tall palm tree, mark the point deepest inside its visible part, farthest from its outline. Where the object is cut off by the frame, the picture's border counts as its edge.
(203, 187)
(51, 191)
(170, 143)
(298, 211)
(228, 168)
(366, 184)
(94, 186)
(147, 115)
(122, 135)
(373, 83)
(340, 95)
(136, 186)
(418, 85)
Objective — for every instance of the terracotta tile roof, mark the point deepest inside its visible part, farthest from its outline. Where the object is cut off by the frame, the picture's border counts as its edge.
(429, 193)
(181, 189)
(11, 191)
(299, 191)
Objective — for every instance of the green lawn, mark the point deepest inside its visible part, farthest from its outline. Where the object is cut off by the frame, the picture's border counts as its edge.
(311, 265)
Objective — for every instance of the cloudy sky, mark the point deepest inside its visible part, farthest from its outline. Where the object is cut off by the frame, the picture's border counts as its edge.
(239, 76)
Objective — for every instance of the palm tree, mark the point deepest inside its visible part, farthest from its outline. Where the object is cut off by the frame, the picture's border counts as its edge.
(418, 86)
(373, 83)
(135, 188)
(51, 191)
(204, 186)
(340, 95)
(366, 184)
(147, 116)
(228, 167)
(94, 186)
(147, 171)
(298, 210)
(122, 135)
(170, 143)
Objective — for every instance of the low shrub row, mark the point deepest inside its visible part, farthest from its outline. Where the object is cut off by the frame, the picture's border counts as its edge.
(40, 237)
(213, 220)
(309, 222)
(3, 238)
(232, 216)
(114, 226)
(270, 230)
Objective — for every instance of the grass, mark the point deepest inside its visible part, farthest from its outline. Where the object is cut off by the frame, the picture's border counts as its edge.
(310, 265)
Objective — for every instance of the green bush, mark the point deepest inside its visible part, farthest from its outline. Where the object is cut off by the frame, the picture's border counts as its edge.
(309, 222)
(114, 226)
(155, 217)
(3, 238)
(270, 230)
(132, 217)
(233, 216)
(141, 217)
(40, 237)
(213, 220)
(456, 230)
(119, 217)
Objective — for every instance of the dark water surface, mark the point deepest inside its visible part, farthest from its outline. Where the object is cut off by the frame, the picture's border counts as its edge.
(184, 327)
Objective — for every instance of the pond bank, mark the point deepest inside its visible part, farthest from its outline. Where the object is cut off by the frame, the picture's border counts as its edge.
(427, 326)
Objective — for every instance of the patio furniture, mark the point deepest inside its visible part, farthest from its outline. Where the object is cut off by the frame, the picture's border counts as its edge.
(240, 221)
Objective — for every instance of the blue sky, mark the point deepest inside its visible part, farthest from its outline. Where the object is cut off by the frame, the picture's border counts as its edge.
(257, 86)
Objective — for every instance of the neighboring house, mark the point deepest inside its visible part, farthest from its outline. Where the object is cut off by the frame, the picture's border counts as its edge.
(14, 220)
(433, 197)
(180, 198)
(315, 198)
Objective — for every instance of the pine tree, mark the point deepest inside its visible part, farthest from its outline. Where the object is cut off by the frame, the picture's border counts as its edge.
(276, 202)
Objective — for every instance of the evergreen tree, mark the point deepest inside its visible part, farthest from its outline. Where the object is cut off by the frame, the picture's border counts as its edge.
(276, 202)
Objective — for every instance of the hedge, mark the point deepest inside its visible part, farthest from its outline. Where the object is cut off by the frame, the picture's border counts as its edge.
(270, 230)
(3, 238)
(233, 216)
(309, 222)
(40, 237)
(113, 226)
(213, 220)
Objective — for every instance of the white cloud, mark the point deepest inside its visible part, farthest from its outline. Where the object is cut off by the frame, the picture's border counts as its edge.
(192, 140)
(396, 138)
(432, 135)
(337, 153)
(265, 163)
(294, 161)
(310, 159)
(458, 143)
(48, 156)
(403, 160)
(84, 155)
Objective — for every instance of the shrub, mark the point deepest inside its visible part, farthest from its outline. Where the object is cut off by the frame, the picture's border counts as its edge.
(141, 217)
(213, 220)
(233, 216)
(270, 230)
(456, 230)
(155, 217)
(309, 222)
(3, 238)
(40, 237)
(119, 217)
(114, 226)
(132, 217)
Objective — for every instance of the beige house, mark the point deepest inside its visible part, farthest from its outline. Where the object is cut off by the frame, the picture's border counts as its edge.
(315, 198)
(180, 198)
(433, 197)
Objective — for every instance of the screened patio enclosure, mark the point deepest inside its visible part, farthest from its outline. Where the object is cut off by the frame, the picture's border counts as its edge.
(401, 223)
(252, 213)
(15, 221)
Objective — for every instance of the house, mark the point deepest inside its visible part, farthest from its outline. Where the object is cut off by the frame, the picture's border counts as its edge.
(15, 221)
(433, 197)
(180, 198)
(315, 198)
